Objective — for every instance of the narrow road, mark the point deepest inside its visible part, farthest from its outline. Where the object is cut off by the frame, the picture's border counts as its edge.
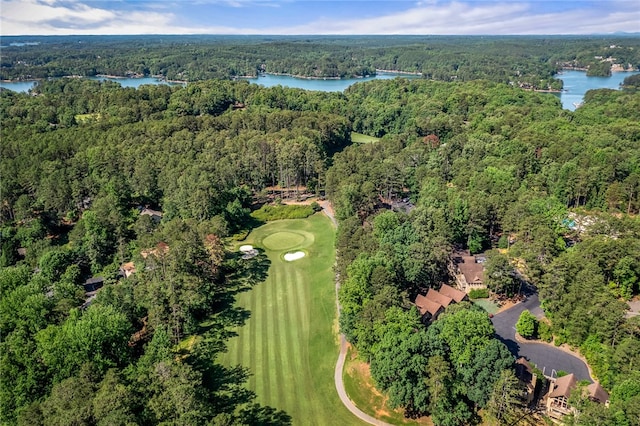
(337, 375)
(546, 357)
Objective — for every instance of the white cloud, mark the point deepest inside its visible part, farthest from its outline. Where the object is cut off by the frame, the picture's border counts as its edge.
(53, 17)
(40, 17)
(481, 18)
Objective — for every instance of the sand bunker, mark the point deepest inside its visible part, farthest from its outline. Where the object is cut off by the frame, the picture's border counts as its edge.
(294, 256)
(246, 248)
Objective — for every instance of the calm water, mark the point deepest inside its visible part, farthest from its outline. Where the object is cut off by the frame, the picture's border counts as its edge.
(576, 84)
(267, 81)
(135, 82)
(321, 85)
(24, 86)
(18, 86)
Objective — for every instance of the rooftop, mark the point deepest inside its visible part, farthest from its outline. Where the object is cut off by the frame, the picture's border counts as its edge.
(453, 293)
(563, 386)
(597, 393)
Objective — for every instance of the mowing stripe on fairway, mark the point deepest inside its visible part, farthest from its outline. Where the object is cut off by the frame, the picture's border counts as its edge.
(288, 342)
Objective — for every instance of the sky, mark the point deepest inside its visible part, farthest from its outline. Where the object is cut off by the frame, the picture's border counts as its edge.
(342, 17)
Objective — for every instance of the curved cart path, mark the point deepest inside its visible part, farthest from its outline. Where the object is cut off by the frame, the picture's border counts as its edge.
(337, 376)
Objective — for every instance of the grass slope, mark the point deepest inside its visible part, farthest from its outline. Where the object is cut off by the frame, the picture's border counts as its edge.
(290, 342)
(360, 138)
(361, 390)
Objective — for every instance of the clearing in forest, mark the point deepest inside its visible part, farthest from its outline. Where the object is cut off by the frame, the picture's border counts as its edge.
(289, 343)
(361, 138)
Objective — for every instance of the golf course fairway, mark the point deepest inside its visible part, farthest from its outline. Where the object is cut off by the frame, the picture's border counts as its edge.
(290, 342)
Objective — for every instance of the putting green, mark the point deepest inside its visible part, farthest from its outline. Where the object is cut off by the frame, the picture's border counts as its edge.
(287, 239)
(283, 241)
(289, 343)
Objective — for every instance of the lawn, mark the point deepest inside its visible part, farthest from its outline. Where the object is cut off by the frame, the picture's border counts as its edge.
(82, 118)
(488, 305)
(360, 138)
(361, 390)
(290, 342)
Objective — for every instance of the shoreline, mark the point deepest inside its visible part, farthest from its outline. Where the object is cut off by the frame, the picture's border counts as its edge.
(302, 77)
(398, 72)
(548, 90)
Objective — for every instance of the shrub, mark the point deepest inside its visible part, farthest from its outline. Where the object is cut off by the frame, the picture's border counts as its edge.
(503, 242)
(479, 293)
(526, 325)
(267, 212)
(544, 331)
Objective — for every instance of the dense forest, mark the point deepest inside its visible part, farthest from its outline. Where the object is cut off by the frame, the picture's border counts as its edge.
(488, 166)
(483, 164)
(78, 159)
(529, 62)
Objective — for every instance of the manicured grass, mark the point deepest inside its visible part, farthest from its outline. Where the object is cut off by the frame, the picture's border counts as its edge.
(360, 138)
(488, 305)
(361, 390)
(283, 240)
(290, 342)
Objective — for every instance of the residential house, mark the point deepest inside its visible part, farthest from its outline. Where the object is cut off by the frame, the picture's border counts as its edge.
(159, 250)
(528, 378)
(560, 391)
(558, 396)
(596, 393)
(455, 294)
(155, 215)
(93, 284)
(428, 308)
(468, 270)
(435, 301)
(439, 298)
(127, 269)
(91, 287)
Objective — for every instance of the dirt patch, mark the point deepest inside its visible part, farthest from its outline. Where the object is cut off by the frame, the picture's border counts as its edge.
(506, 305)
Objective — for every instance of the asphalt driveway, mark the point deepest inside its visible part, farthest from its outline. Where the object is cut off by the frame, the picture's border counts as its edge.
(547, 358)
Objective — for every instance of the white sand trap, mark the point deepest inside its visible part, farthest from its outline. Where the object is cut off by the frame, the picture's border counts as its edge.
(289, 257)
(246, 248)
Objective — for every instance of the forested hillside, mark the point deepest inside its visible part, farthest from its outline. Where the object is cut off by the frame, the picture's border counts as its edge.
(482, 164)
(79, 161)
(488, 166)
(529, 62)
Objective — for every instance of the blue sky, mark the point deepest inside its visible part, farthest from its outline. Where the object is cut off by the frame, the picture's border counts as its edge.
(61, 17)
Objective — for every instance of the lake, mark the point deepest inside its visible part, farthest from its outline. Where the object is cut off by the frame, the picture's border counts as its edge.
(136, 82)
(267, 80)
(576, 84)
(17, 86)
(328, 85)
(24, 86)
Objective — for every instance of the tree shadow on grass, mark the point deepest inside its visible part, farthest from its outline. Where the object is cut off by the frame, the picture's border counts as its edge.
(244, 274)
(228, 392)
